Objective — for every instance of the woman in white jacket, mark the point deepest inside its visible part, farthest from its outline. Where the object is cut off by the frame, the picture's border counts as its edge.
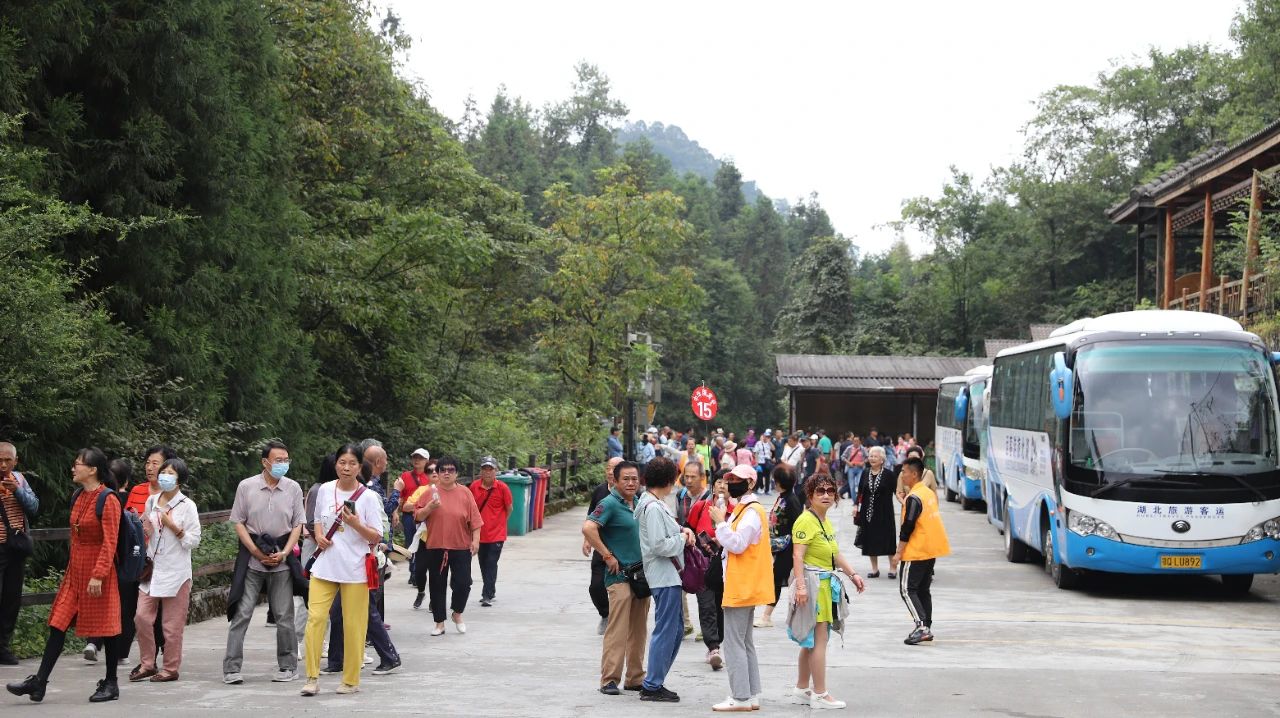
(172, 523)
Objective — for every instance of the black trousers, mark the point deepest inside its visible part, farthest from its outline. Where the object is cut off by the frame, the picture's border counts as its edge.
(914, 581)
(58, 639)
(783, 562)
(12, 568)
(489, 555)
(448, 568)
(599, 596)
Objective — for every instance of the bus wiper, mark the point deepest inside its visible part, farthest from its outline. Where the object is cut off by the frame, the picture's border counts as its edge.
(1238, 479)
(1150, 479)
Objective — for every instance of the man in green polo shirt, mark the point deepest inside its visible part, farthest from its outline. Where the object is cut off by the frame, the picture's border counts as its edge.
(612, 531)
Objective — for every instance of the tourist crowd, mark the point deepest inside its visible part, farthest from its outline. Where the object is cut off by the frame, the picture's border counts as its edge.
(687, 519)
(320, 557)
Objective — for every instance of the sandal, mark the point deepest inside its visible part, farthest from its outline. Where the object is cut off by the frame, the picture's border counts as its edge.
(140, 674)
(874, 574)
(892, 574)
(164, 676)
(763, 623)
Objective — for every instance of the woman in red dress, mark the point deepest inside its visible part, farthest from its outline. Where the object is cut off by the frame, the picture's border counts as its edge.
(88, 597)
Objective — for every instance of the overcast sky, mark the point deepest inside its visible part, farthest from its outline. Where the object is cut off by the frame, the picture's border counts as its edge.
(866, 104)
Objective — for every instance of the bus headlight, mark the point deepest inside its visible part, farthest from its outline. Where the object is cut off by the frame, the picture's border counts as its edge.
(1086, 525)
(1267, 529)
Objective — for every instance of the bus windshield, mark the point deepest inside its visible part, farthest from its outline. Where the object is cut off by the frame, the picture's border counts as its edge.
(1173, 408)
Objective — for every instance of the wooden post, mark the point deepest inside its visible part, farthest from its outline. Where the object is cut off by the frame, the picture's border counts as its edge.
(511, 463)
(1206, 251)
(533, 460)
(1168, 260)
(1222, 295)
(1251, 241)
(1139, 262)
(564, 470)
(573, 464)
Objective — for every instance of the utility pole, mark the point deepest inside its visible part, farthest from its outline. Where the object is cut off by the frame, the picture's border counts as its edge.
(650, 388)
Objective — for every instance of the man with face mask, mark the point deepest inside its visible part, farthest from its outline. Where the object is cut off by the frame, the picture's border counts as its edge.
(268, 515)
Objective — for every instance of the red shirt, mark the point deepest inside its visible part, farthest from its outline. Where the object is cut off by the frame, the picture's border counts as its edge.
(495, 507)
(412, 480)
(700, 519)
(138, 496)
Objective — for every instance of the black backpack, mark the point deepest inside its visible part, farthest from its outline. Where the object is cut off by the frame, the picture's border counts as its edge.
(131, 544)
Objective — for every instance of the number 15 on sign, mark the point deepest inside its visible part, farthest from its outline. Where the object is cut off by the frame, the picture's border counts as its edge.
(704, 403)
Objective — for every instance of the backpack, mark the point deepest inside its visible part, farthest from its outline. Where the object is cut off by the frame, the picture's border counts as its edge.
(131, 544)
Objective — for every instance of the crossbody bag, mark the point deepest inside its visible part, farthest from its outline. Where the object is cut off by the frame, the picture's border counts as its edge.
(328, 536)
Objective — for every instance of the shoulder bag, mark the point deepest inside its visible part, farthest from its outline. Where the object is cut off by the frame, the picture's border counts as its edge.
(19, 542)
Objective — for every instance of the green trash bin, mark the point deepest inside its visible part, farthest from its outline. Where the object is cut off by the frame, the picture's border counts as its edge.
(518, 522)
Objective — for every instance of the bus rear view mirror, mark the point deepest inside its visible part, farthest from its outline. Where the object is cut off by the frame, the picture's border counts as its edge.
(1061, 387)
(962, 406)
(1275, 357)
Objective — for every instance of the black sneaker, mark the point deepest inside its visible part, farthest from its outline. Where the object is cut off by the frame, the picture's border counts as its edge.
(918, 635)
(486, 602)
(331, 669)
(384, 668)
(417, 602)
(636, 687)
(7, 658)
(610, 689)
(659, 695)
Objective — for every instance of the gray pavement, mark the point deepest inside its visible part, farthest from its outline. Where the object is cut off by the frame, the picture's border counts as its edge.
(1009, 644)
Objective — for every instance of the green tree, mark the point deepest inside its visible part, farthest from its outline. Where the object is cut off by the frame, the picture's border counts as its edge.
(818, 317)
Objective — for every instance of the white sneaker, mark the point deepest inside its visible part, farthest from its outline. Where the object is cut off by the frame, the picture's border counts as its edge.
(232, 679)
(345, 689)
(824, 700)
(755, 702)
(366, 660)
(284, 676)
(90, 652)
(733, 705)
(801, 695)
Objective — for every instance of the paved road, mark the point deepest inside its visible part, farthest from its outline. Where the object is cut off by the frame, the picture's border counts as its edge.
(1009, 644)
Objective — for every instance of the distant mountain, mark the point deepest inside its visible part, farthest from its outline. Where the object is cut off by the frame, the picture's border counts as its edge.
(684, 154)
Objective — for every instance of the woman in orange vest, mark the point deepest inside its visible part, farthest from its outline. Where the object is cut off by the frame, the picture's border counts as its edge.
(748, 582)
(922, 542)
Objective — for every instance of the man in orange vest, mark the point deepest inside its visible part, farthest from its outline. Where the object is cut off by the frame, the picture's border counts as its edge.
(748, 582)
(922, 542)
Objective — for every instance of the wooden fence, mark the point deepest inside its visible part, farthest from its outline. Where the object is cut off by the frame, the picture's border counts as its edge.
(568, 481)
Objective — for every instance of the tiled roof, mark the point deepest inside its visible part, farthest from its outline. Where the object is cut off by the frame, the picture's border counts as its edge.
(1145, 193)
(1040, 332)
(995, 346)
(869, 373)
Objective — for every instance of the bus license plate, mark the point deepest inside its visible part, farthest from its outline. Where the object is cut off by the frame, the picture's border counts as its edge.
(1180, 561)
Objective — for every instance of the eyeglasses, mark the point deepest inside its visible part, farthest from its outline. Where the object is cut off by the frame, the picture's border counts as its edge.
(432, 470)
(822, 490)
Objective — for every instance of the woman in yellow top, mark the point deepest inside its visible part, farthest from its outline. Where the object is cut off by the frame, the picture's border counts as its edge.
(817, 556)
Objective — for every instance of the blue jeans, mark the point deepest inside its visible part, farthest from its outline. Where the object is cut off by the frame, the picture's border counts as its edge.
(668, 629)
(853, 477)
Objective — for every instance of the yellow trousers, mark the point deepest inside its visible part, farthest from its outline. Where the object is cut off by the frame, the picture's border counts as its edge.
(355, 623)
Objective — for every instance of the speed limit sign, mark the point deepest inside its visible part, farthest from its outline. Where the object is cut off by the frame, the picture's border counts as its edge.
(704, 402)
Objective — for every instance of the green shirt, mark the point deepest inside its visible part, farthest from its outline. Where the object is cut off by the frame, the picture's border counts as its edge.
(619, 532)
(821, 549)
(824, 445)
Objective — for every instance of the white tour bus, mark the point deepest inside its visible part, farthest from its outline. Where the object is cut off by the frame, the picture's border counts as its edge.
(960, 434)
(1142, 443)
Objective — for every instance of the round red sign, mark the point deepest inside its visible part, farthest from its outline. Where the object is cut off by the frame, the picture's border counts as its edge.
(704, 402)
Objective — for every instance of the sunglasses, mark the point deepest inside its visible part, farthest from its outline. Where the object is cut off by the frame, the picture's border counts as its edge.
(823, 490)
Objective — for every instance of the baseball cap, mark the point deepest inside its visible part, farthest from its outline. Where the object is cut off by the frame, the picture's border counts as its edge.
(488, 461)
(813, 437)
(743, 471)
(421, 452)
(768, 432)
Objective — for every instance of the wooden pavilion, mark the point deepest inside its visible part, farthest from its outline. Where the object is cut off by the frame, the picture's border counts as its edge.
(1193, 199)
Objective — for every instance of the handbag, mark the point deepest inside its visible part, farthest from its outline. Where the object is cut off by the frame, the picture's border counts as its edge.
(19, 542)
(634, 573)
(328, 536)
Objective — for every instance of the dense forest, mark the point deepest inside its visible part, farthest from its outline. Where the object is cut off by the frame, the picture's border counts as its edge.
(228, 220)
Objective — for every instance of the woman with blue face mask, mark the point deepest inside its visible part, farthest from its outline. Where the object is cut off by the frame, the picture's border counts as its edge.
(172, 523)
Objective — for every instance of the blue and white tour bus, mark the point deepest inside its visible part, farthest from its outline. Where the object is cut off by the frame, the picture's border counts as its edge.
(1142, 443)
(960, 435)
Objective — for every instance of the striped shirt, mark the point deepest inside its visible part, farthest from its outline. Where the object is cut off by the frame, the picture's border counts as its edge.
(12, 508)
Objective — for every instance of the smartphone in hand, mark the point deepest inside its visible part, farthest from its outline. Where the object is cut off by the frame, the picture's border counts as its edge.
(351, 506)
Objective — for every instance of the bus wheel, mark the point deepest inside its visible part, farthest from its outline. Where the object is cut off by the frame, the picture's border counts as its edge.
(1237, 584)
(1014, 550)
(1063, 577)
(951, 495)
(968, 504)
